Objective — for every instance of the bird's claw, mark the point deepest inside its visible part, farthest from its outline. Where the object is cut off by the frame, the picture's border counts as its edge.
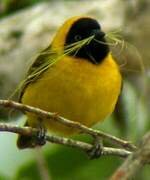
(96, 150)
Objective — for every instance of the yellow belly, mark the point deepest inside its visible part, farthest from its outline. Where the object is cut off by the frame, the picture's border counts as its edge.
(77, 90)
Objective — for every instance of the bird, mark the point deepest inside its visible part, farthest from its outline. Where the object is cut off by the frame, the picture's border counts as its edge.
(76, 76)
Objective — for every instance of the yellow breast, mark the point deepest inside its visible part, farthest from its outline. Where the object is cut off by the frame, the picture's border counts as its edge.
(76, 89)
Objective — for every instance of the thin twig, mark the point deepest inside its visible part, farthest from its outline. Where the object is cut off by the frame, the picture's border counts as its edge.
(28, 131)
(53, 116)
(135, 161)
(44, 171)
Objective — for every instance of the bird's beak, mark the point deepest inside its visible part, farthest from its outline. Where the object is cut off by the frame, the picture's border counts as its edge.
(99, 34)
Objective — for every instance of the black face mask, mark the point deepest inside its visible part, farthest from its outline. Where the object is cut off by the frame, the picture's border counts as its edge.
(97, 49)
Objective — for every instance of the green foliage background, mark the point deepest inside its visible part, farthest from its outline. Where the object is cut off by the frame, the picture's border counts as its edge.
(11, 6)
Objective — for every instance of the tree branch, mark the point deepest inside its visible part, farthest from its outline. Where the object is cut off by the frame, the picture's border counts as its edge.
(28, 131)
(135, 161)
(53, 116)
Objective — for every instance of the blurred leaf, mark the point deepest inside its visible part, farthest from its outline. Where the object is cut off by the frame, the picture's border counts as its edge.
(67, 163)
(132, 113)
(3, 177)
(11, 158)
(136, 112)
(130, 103)
(10, 6)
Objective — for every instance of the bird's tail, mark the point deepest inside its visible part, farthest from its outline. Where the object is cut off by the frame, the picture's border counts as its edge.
(25, 141)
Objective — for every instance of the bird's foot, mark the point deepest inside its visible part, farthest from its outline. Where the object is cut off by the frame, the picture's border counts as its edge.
(97, 149)
(41, 136)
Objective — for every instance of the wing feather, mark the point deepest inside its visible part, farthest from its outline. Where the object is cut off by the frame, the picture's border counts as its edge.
(40, 64)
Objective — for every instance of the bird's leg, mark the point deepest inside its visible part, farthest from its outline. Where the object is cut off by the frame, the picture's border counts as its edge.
(40, 139)
(97, 149)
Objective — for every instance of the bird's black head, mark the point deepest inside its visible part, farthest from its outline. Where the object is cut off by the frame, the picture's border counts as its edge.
(83, 28)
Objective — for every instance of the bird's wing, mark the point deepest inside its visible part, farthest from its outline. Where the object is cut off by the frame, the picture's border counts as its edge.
(40, 64)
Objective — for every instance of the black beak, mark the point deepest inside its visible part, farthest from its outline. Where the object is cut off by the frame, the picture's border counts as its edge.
(101, 34)
(98, 33)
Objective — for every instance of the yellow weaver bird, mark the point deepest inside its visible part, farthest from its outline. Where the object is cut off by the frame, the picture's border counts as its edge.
(76, 77)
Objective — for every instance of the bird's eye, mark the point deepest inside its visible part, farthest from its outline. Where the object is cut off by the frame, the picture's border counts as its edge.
(94, 31)
(77, 37)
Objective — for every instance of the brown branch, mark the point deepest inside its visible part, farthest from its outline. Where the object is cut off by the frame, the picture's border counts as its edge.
(135, 161)
(28, 131)
(95, 133)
